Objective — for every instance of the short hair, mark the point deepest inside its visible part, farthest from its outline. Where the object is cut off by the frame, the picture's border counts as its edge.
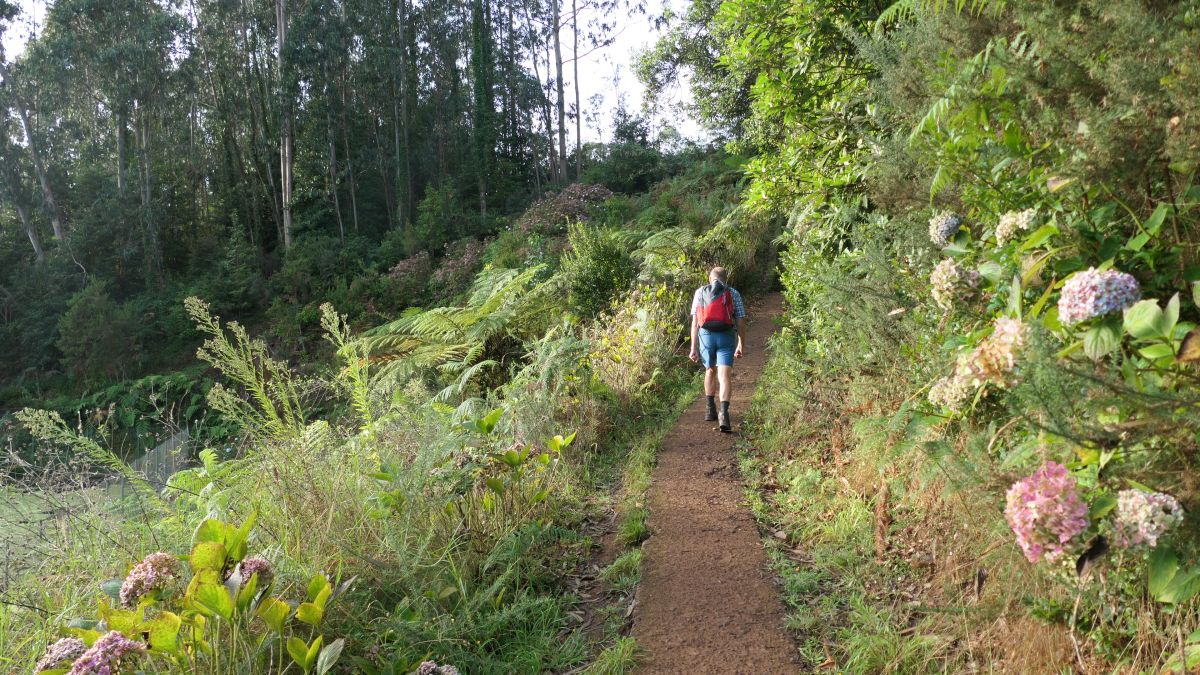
(720, 273)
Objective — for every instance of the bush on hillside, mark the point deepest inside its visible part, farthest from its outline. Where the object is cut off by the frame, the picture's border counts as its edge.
(553, 213)
(597, 266)
(97, 336)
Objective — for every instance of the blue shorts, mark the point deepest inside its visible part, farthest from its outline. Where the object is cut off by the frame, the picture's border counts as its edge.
(716, 348)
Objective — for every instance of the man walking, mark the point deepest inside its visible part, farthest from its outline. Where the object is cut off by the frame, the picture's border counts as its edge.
(718, 326)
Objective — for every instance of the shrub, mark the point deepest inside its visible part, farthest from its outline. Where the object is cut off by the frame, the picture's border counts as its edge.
(553, 213)
(96, 335)
(598, 267)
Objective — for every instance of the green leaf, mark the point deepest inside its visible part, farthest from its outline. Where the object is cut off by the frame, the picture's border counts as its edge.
(207, 555)
(315, 585)
(213, 599)
(1039, 236)
(1144, 319)
(311, 656)
(310, 613)
(330, 655)
(274, 612)
(1014, 297)
(1103, 505)
(213, 530)
(489, 422)
(236, 540)
(1171, 316)
(1157, 351)
(1163, 566)
(1101, 339)
(299, 652)
(496, 485)
(163, 632)
(1155, 222)
(112, 588)
(1183, 587)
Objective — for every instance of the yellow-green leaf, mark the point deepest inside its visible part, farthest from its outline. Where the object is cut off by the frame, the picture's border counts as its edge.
(163, 632)
(207, 555)
(274, 612)
(310, 613)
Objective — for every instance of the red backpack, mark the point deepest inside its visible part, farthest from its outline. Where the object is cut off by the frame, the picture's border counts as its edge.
(715, 312)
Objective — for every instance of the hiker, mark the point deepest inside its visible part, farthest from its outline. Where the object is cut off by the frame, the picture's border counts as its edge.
(718, 327)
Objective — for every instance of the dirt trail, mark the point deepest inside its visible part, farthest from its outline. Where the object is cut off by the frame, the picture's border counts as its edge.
(707, 602)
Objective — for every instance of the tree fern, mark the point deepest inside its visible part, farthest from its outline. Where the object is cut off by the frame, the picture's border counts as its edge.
(451, 340)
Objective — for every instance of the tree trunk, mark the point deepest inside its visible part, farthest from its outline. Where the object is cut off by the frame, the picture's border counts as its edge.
(578, 107)
(545, 106)
(562, 97)
(285, 131)
(31, 231)
(150, 238)
(349, 162)
(122, 143)
(36, 155)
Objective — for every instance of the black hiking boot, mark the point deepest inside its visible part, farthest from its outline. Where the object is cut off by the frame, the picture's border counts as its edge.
(711, 414)
(724, 422)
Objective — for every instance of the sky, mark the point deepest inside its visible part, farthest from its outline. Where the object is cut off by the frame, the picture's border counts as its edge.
(604, 72)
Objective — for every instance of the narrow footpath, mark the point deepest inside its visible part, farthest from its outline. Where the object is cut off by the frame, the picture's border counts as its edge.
(707, 602)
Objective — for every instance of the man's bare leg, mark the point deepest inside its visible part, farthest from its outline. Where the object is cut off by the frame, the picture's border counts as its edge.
(710, 392)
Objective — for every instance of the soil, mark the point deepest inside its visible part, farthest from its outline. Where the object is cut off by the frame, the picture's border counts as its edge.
(707, 601)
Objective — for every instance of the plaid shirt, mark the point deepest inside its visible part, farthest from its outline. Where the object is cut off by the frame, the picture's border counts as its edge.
(739, 309)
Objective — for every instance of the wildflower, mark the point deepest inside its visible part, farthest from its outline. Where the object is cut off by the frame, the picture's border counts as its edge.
(155, 574)
(951, 392)
(1012, 222)
(942, 227)
(1045, 512)
(432, 668)
(1142, 517)
(995, 358)
(60, 654)
(1093, 293)
(951, 282)
(259, 566)
(108, 655)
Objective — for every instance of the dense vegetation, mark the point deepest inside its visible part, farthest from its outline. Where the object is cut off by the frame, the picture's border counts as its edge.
(986, 387)
(454, 338)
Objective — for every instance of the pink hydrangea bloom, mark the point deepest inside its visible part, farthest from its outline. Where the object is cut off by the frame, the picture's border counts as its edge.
(60, 654)
(156, 572)
(259, 566)
(951, 392)
(952, 282)
(1046, 512)
(1142, 517)
(432, 668)
(994, 360)
(1013, 222)
(107, 657)
(1092, 293)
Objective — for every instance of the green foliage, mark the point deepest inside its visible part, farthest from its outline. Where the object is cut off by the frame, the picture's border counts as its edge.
(96, 335)
(597, 267)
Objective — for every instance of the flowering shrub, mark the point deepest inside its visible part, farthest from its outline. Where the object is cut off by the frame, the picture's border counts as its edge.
(553, 213)
(942, 227)
(1142, 517)
(1046, 512)
(432, 668)
(226, 613)
(108, 655)
(412, 274)
(457, 270)
(60, 655)
(1013, 222)
(952, 282)
(156, 574)
(1092, 293)
(951, 391)
(995, 359)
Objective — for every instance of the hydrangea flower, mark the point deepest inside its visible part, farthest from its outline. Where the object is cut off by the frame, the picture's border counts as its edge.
(108, 655)
(1142, 517)
(157, 572)
(1045, 511)
(1013, 222)
(432, 668)
(994, 360)
(60, 654)
(261, 567)
(942, 227)
(951, 282)
(1093, 293)
(951, 392)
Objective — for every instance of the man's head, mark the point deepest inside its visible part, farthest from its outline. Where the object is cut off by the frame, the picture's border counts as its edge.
(718, 274)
